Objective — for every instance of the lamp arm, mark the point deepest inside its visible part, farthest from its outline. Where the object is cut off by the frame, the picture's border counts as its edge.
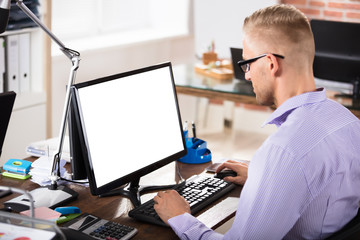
(35, 19)
(57, 157)
(74, 56)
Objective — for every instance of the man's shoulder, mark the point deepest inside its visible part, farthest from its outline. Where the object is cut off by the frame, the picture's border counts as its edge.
(307, 126)
(326, 115)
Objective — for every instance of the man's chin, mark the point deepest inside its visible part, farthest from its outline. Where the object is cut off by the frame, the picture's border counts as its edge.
(263, 102)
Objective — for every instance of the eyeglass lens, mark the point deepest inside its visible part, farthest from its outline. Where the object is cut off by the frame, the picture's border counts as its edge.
(245, 67)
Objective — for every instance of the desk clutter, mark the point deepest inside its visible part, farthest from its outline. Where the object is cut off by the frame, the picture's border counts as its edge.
(75, 225)
(39, 170)
(197, 151)
(221, 70)
(214, 67)
(17, 227)
(41, 223)
(17, 168)
(48, 147)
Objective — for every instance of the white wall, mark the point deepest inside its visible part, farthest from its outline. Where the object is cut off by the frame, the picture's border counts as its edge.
(221, 21)
(112, 60)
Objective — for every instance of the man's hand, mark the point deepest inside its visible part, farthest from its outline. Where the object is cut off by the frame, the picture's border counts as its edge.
(169, 204)
(240, 168)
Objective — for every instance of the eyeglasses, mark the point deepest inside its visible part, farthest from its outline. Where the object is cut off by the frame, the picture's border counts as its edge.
(245, 64)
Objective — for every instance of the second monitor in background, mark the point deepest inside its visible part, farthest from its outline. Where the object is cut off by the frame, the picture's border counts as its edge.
(337, 52)
(242, 85)
(236, 55)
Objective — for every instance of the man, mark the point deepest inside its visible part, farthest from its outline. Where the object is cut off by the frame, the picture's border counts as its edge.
(303, 182)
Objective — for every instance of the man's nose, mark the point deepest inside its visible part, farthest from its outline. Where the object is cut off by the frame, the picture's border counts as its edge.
(248, 76)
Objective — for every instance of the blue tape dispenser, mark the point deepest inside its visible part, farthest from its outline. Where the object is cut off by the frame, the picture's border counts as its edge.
(197, 151)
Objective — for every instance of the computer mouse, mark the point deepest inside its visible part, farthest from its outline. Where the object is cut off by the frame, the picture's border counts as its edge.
(225, 173)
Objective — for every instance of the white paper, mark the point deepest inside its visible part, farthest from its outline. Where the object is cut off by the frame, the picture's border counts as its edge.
(12, 232)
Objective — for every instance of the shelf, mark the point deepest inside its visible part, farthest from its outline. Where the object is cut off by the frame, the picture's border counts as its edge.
(26, 100)
(20, 31)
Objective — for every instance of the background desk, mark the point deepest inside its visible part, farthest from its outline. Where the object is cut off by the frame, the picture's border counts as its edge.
(191, 83)
(116, 208)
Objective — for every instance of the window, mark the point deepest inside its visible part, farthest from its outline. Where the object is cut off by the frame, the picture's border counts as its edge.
(91, 18)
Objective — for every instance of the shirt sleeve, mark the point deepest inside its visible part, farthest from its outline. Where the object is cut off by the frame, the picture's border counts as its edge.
(273, 197)
(271, 201)
(187, 226)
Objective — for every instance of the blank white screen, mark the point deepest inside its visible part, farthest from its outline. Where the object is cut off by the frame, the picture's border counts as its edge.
(129, 123)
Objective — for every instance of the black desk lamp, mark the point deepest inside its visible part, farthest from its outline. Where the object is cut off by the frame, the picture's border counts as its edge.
(53, 195)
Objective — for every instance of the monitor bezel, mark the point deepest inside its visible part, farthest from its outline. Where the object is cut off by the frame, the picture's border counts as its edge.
(136, 175)
(7, 100)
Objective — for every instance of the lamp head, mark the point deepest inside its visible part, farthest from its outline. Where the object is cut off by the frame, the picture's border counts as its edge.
(4, 14)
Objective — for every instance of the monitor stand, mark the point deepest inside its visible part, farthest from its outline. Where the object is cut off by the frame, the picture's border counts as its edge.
(133, 191)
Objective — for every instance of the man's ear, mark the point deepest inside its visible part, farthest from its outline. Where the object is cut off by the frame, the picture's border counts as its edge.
(273, 65)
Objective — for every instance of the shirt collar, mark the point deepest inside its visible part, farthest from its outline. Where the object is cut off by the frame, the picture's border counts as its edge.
(279, 116)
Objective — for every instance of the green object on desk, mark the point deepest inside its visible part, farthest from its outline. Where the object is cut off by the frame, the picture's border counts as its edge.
(14, 175)
(67, 218)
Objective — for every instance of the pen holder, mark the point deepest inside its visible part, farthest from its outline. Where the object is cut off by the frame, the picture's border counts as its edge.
(197, 152)
(209, 57)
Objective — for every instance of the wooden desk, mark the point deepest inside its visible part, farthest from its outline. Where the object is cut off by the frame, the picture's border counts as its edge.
(116, 208)
(191, 83)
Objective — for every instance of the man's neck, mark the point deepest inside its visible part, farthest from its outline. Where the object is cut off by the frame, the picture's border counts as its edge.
(288, 87)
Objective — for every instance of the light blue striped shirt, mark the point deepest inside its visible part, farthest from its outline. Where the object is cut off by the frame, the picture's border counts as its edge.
(303, 182)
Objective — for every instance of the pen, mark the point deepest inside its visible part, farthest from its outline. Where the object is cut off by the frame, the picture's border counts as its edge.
(185, 127)
(194, 131)
(186, 135)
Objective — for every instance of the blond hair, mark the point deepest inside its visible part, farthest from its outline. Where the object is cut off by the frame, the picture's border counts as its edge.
(282, 26)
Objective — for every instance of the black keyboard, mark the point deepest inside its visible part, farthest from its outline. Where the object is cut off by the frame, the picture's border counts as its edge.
(198, 190)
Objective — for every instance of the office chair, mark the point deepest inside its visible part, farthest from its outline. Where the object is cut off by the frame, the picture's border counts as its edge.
(351, 231)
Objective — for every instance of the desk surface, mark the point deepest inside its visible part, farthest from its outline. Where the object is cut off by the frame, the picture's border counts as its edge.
(191, 83)
(116, 208)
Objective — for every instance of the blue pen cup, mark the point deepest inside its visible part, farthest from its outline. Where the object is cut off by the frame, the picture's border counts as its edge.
(197, 152)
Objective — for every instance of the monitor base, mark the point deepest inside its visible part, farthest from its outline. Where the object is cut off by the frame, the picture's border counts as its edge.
(133, 191)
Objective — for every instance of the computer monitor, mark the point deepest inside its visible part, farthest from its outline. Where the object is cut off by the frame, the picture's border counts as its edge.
(77, 155)
(236, 56)
(128, 125)
(7, 100)
(337, 52)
